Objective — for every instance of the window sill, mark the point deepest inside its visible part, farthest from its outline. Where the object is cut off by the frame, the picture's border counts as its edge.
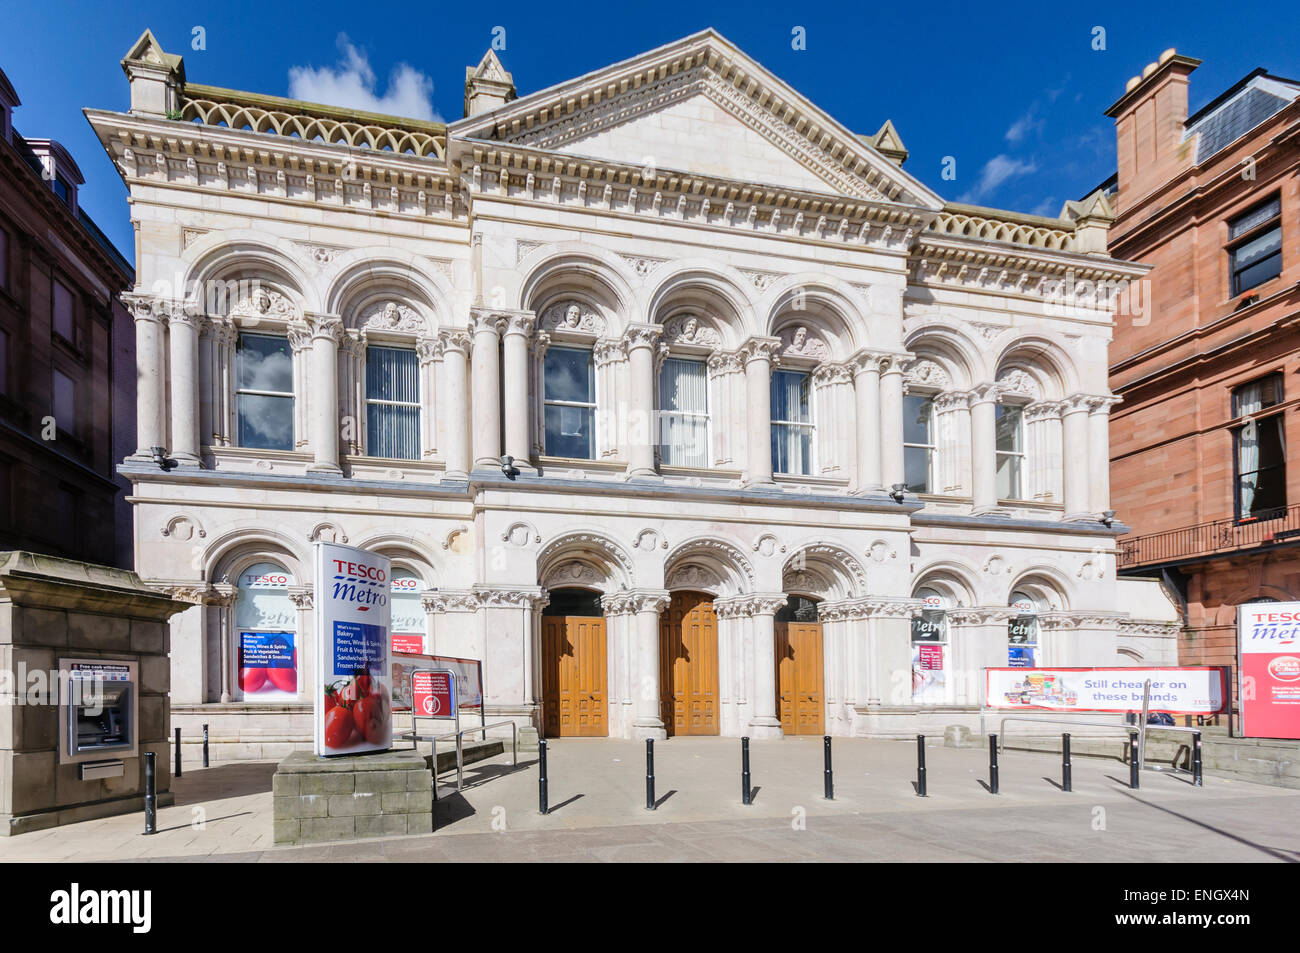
(813, 480)
(702, 473)
(1032, 505)
(609, 465)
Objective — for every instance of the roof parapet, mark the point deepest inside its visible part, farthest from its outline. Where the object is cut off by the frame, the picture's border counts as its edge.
(157, 78)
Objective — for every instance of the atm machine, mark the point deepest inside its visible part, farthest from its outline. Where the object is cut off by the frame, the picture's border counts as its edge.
(99, 709)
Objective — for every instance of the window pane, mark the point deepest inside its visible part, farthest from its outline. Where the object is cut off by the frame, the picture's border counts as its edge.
(1255, 217)
(916, 420)
(1261, 464)
(569, 431)
(265, 363)
(569, 375)
(1008, 428)
(683, 385)
(392, 431)
(63, 311)
(790, 396)
(4, 362)
(916, 469)
(65, 403)
(1247, 276)
(1257, 395)
(392, 374)
(1008, 479)
(1258, 247)
(791, 449)
(683, 413)
(265, 423)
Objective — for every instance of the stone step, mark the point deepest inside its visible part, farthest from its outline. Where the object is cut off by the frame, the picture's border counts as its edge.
(471, 751)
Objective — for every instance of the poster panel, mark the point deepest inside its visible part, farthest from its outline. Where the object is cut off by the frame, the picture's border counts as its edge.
(1200, 690)
(467, 672)
(268, 666)
(352, 700)
(433, 693)
(1268, 643)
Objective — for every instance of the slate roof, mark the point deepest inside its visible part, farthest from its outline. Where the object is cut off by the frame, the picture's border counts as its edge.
(1239, 110)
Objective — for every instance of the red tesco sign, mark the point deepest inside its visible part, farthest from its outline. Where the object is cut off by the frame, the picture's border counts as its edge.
(1268, 643)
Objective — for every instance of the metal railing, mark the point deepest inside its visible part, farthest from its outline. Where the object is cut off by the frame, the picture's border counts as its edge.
(1210, 539)
(415, 738)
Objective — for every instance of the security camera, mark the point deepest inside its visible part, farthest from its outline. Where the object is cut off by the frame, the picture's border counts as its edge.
(1108, 517)
(159, 455)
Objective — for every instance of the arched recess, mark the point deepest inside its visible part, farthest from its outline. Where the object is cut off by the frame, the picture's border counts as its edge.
(361, 275)
(405, 553)
(1040, 361)
(951, 579)
(584, 559)
(228, 554)
(580, 273)
(824, 570)
(714, 295)
(1048, 588)
(815, 322)
(950, 351)
(709, 564)
(216, 260)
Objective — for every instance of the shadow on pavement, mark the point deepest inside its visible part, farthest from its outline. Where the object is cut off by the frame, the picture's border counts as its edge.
(233, 779)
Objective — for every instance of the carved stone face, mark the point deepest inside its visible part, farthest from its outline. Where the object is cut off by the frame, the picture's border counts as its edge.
(800, 335)
(262, 301)
(688, 329)
(572, 316)
(391, 315)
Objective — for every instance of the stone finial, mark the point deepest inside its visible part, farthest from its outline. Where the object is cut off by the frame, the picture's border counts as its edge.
(157, 78)
(487, 85)
(889, 144)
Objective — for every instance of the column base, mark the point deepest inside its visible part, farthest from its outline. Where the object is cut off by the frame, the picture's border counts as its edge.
(183, 462)
(332, 469)
(645, 729)
(488, 463)
(644, 474)
(765, 729)
(1081, 518)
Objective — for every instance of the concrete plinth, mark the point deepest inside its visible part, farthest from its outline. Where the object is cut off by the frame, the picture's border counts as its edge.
(351, 797)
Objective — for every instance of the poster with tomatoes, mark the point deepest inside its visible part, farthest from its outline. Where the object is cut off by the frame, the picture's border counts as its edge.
(353, 706)
(268, 666)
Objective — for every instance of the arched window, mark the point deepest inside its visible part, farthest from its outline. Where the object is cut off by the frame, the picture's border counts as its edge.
(569, 399)
(1022, 631)
(684, 413)
(930, 659)
(266, 623)
(264, 393)
(408, 627)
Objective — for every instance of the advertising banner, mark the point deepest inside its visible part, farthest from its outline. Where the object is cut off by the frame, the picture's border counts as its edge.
(467, 673)
(268, 666)
(353, 706)
(433, 693)
(1178, 691)
(406, 643)
(1268, 643)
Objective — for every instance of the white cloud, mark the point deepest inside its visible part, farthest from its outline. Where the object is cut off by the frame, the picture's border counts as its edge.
(1023, 126)
(351, 84)
(995, 172)
(1048, 207)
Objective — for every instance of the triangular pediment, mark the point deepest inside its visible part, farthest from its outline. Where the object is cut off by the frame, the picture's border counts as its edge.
(703, 107)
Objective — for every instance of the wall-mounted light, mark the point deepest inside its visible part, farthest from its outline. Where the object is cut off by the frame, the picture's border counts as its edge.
(508, 467)
(897, 491)
(159, 455)
(1108, 517)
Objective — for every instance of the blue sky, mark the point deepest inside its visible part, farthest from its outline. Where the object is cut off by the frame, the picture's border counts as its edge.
(1015, 93)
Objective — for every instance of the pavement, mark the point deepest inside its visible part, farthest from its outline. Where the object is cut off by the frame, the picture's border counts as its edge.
(597, 811)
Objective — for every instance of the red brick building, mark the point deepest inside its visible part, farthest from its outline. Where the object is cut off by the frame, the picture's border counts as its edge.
(1208, 362)
(67, 360)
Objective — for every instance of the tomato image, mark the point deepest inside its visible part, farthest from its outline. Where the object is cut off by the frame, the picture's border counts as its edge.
(285, 679)
(331, 698)
(339, 728)
(252, 679)
(364, 683)
(370, 715)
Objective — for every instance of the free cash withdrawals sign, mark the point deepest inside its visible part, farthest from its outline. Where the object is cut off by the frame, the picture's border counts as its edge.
(1177, 691)
(353, 697)
(1268, 643)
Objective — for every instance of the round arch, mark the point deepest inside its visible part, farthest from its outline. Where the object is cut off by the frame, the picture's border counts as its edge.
(824, 570)
(584, 559)
(709, 564)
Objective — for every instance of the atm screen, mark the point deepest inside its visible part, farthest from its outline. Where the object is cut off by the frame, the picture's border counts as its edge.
(105, 723)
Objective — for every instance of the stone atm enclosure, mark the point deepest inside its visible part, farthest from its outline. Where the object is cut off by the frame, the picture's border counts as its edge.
(59, 620)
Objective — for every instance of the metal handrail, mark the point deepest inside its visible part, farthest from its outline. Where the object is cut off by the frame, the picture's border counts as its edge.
(1215, 536)
(460, 748)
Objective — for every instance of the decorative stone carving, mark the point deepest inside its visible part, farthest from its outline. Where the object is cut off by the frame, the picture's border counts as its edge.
(263, 303)
(1018, 382)
(923, 372)
(588, 542)
(688, 329)
(523, 249)
(573, 317)
(995, 564)
(799, 342)
(767, 545)
(574, 573)
(183, 528)
(327, 533)
(648, 540)
(642, 264)
(520, 534)
(392, 316)
(693, 577)
(881, 550)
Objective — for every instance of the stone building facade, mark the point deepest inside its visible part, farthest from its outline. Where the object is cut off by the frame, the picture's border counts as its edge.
(672, 400)
(1211, 201)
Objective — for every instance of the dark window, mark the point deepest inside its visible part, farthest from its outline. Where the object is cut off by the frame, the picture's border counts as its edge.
(797, 609)
(918, 443)
(580, 602)
(4, 362)
(792, 423)
(4, 259)
(570, 403)
(1255, 252)
(63, 316)
(264, 399)
(1260, 444)
(64, 403)
(392, 403)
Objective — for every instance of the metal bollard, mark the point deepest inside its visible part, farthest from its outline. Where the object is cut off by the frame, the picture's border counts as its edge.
(205, 746)
(920, 766)
(1196, 759)
(744, 771)
(178, 752)
(1133, 760)
(829, 775)
(649, 774)
(993, 764)
(150, 793)
(1066, 779)
(542, 805)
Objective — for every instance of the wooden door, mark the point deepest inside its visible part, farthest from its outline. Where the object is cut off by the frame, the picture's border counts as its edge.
(688, 680)
(800, 678)
(573, 676)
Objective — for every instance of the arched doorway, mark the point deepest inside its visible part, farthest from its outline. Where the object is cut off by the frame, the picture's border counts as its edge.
(688, 640)
(800, 669)
(573, 665)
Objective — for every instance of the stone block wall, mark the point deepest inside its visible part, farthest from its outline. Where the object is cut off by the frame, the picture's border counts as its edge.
(318, 799)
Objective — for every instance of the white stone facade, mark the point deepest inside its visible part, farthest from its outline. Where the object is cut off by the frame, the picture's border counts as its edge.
(683, 204)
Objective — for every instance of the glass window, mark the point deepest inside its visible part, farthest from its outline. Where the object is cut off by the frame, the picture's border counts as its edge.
(1258, 256)
(264, 399)
(798, 609)
(918, 443)
(266, 634)
(65, 403)
(1010, 451)
(792, 425)
(684, 413)
(930, 649)
(392, 403)
(407, 608)
(569, 398)
(64, 323)
(1022, 632)
(1261, 450)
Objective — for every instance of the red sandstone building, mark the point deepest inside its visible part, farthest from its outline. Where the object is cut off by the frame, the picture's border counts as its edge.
(67, 360)
(1209, 370)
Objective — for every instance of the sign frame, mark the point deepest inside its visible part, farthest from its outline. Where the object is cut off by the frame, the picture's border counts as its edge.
(1135, 670)
(1254, 706)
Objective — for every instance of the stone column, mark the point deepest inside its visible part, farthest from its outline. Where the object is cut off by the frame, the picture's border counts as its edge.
(758, 353)
(486, 326)
(762, 610)
(433, 606)
(724, 371)
(222, 598)
(836, 410)
(326, 333)
(952, 442)
(455, 349)
(151, 371)
(303, 598)
(891, 421)
(429, 354)
(610, 358)
(352, 393)
(1043, 451)
(518, 329)
(866, 392)
(300, 345)
(983, 446)
(1074, 438)
(1099, 452)
(648, 721)
(223, 336)
(639, 340)
(183, 333)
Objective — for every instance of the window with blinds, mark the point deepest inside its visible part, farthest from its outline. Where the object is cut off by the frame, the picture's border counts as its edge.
(684, 413)
(792, 423)
(392, 403)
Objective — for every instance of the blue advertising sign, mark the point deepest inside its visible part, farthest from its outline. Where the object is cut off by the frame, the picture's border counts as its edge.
(268, 665)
